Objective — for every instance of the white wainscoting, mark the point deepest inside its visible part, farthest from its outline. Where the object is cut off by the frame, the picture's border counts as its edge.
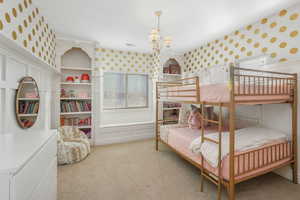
(119, 133)
(13, 66)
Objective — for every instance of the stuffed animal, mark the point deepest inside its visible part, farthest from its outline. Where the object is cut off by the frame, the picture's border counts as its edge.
(194, 119)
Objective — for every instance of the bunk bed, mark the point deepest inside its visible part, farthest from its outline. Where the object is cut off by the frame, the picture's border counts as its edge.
(244, 87)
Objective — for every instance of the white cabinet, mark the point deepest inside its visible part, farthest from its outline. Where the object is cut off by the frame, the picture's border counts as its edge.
(28, 167)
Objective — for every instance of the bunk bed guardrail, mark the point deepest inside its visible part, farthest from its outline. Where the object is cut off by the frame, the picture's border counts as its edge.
(246, 82)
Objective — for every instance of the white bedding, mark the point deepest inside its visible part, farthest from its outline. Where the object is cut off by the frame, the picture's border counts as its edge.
(245, 139)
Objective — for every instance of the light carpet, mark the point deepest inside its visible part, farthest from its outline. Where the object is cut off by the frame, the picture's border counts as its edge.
(135, 171)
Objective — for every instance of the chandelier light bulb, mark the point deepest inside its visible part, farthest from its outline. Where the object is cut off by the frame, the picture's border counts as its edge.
(168, 41)
(154, 35)
(154, 31)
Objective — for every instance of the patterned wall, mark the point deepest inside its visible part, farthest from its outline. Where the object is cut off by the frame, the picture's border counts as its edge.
(277, 36)
(124, 61)
(23, 23)
(157, 66)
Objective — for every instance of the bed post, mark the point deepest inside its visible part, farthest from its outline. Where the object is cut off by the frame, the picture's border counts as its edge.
(231, 188)
(220, 128)
(202, 140)
(197, 89)
(294, 130)
(156, 119)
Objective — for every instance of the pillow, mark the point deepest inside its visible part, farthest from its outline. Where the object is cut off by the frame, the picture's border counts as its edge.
(194, 120)
(219, 74)
(205, 76)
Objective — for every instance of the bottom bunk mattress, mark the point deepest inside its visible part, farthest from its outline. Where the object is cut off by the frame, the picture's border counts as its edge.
(247, 163)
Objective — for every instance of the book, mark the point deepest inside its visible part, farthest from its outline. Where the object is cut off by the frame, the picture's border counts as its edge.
(75, 106)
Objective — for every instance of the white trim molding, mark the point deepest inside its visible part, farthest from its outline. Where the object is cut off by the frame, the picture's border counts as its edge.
(124, 133)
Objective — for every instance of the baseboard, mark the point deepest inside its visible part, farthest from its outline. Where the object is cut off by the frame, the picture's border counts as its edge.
(121, 134)
(286, 172)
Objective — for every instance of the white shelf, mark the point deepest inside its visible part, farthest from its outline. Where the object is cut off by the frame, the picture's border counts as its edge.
(28, 99)
(175, 108)
(75, 113)
(70, 83)
(75, 98)
(27, 115)
(176, 75)
(76, 68)
(84, 127)
(28, 82)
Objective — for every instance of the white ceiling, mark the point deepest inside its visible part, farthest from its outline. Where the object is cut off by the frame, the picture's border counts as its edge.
(190, 23)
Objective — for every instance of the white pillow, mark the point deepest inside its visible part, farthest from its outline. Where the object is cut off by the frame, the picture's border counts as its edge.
(205, 78)
(218, 74)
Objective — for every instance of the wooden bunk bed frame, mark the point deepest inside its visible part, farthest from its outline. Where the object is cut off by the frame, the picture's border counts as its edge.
(239, 77)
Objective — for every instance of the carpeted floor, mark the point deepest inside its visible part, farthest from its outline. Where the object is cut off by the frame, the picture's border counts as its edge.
(135, 171)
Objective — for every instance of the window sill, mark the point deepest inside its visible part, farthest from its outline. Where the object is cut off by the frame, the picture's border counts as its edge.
(127, 124)
(126, 110)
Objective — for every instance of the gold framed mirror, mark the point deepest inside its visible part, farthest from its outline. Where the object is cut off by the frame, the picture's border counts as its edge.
(27, 102)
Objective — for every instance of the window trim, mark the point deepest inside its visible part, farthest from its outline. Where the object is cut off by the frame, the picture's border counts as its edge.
(126, 92)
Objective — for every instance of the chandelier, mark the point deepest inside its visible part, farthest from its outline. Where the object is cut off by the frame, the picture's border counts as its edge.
(157, 41)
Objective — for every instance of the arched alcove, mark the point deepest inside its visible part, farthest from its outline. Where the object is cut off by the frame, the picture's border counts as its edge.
(76, 57)
(171, 67)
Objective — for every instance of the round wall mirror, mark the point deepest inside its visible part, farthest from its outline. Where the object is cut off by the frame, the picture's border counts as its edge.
(27, 102)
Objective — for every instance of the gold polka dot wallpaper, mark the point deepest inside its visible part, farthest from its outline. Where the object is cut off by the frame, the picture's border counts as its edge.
(23, 23)
(276, 36)
(124, 61)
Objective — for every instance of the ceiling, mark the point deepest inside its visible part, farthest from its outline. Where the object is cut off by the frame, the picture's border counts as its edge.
(190, 23)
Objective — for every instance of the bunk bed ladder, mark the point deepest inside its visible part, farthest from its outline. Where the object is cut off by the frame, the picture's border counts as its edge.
(219, 180)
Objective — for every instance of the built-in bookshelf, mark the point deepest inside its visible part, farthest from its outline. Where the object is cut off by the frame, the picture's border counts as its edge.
(171, 112)
(76, 90)
(171, 72)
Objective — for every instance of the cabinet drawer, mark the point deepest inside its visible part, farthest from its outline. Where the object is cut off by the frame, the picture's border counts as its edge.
(28, 178)
(4, 186)
(47, 188)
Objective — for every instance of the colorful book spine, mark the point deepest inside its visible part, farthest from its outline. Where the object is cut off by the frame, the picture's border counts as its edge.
(75, 106)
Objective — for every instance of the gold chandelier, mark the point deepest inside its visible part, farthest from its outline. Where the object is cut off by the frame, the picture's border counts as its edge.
(157, 41)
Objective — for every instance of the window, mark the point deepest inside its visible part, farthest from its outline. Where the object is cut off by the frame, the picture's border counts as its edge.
(125, 91)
